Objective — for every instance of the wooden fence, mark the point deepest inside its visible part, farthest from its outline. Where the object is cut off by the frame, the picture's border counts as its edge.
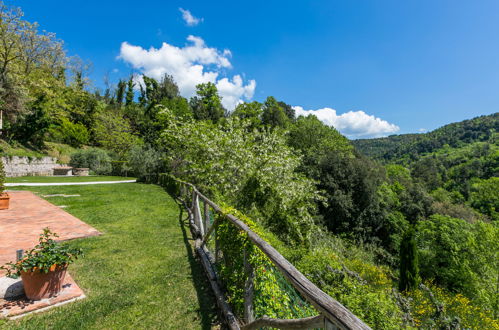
(331, 314)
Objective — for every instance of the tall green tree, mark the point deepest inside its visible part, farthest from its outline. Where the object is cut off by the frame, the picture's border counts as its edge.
(207, 104)
(120, 92)
(130, 94)
(409, 267)
(273, 114)
(251, 112)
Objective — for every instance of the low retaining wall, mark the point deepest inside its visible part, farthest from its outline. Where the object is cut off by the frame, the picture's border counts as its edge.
(23, 166)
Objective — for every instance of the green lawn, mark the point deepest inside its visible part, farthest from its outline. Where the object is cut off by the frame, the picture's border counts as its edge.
(47, 179)
(140, 274)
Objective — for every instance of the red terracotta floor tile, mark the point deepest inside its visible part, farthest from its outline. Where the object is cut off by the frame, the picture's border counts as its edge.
(13, 307)
(28, 214)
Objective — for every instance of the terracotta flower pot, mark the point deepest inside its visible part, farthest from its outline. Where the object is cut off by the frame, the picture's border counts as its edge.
(39, 285)
(4, 201)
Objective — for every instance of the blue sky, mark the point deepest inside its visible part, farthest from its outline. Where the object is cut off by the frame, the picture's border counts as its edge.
(413, 65)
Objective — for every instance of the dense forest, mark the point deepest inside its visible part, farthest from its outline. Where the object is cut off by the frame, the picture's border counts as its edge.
(401, 230)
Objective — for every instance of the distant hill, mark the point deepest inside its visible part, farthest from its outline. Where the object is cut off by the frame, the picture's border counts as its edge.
(410, 147)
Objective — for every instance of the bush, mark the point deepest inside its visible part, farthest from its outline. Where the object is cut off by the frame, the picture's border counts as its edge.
(145, 162)
(74, 134)
(461, 257)
(95, 159)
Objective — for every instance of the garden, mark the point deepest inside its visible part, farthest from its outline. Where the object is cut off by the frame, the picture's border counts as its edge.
(141, 273)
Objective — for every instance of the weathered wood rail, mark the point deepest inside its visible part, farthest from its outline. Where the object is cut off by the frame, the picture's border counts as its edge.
(332, 314)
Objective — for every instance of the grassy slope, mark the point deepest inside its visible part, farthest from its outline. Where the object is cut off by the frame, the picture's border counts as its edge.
(140, 274)
(52, 149)
(47, 179)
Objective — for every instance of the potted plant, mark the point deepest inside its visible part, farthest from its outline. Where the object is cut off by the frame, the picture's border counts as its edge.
(4, 197)
(43, 268)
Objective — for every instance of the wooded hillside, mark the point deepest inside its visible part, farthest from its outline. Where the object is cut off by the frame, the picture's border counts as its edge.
(409, 241)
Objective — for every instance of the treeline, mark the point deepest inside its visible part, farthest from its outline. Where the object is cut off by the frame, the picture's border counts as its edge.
(406, 148)
(340, 215)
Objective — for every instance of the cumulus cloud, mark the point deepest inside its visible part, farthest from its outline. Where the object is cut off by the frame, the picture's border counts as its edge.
(353, 124)
(189, 18)
(190, 65)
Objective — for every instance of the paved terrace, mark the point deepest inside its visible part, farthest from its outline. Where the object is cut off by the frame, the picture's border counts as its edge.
(22, 223)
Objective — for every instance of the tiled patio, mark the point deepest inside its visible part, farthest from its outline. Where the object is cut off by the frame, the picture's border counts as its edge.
(19, 306)
(22, 223)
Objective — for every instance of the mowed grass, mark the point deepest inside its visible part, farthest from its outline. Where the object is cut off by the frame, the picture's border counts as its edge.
(51, 179)
(140, 274)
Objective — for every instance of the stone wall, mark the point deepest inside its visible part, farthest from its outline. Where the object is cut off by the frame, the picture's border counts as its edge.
(22, 166)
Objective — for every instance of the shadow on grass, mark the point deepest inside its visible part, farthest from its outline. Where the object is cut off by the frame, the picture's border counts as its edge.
(207, 304)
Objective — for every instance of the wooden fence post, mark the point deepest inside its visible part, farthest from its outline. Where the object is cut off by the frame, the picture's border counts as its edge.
(197, 212)
(206, 216)
(249, 315)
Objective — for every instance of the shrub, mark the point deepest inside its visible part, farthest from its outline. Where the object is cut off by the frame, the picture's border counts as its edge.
(145, 162)
(255, 172)
(95, 159)
(363, 288)
(74, 134)
(461, 257)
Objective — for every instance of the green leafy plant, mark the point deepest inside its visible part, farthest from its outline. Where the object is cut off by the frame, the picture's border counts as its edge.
(43, 256)
(96, 159)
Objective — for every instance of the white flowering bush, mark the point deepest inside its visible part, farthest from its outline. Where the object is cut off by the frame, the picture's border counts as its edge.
(253, 170)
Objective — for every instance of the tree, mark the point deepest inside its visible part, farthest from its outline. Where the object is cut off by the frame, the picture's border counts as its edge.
(273, 114)
(288, 110)
(253, 170)
(113, 132)
(251, 112)
(120, 92)
(485, 198)
(409, 269)
(460, 256)
(30, 62)
(155, 92)
(207, 104)
(129, 92)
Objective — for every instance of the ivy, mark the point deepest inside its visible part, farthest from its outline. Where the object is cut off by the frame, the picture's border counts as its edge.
(273, 296)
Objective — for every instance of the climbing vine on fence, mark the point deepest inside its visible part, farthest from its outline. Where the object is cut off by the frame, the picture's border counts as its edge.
(274, 296)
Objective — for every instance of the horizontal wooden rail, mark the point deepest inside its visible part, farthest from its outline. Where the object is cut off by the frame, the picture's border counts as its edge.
(331, 310)
(311, 322)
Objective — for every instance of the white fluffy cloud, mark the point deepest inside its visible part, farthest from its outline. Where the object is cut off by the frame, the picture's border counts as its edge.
(189, 18)
(190, 65)
(353, 124)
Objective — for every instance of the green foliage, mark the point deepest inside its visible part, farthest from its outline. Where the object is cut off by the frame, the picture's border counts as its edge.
(367, 294)
(146, 162)
(461, 257)
(255, 172)
(31, 127)
(207, 104)
(315, 140)
(435, 308)
(273, 114)
(95, 159)
(409, 267)
(113, 132)
(43, 256)
(485, 197)
(411, 146)
(273, 296)
(251, 112)
(74, 134)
